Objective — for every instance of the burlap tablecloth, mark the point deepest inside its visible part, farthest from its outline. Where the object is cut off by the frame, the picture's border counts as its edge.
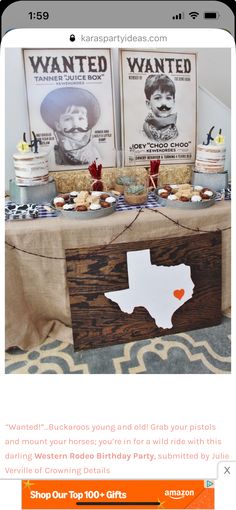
(37, 300)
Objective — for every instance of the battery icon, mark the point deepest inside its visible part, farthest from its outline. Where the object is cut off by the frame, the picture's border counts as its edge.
(211, 15)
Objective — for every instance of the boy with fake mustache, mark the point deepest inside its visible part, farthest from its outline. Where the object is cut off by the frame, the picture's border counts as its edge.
(72, 113)
(160, 123)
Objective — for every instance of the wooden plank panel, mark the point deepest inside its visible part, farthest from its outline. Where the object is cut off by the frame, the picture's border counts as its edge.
(97, 321)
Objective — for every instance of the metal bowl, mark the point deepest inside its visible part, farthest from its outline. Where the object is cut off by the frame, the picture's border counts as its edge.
(85, 215)
(177, 204)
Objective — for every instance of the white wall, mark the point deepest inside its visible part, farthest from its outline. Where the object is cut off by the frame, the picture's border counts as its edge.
(16, 106)
(214, 113)
(214, 72)
(213, 80)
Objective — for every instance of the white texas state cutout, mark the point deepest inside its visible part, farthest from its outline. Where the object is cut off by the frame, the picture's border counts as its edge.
(159, 289)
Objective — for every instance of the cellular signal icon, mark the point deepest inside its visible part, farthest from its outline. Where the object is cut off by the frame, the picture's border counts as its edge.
(179, 16)
(194, 14)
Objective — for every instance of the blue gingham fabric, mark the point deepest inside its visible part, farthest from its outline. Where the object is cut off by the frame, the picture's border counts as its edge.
(33, 211)
(40, 212)
(150, 204)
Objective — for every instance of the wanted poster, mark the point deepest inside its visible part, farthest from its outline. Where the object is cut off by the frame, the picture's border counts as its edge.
(70, 103)
(158, 106)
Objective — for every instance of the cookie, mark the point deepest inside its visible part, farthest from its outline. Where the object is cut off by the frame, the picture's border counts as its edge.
(185, 186)
(115, 193)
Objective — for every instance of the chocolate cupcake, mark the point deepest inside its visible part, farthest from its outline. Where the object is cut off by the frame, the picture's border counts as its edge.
(110, 200)
(104, 196)
(95, 207)
(66, 196)
(196, 198)
(164, 194)
(81, 208)
(206, 195)
(184, 199)
(69, 207)
(58, 202)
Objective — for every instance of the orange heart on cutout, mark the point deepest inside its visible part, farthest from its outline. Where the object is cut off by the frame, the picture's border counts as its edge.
(179, 293)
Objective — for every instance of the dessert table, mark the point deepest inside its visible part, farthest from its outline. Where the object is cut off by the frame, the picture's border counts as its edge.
(37, 298)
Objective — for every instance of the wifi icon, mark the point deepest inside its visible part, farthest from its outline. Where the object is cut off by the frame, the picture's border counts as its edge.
(193, 14)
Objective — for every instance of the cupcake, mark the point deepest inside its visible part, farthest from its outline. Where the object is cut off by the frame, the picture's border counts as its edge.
(168, 188)
(69, 207)
(81, 208)
(184, 199)
(105, 204)
(110, 200)
(206, 194)
(164, 194)
(58, 202)
(66, 196)
(103, 196)
(172, 197)
(196, 198)
(94, 207)
(161, 190)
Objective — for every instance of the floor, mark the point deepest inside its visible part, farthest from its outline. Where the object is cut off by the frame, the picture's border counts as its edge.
(203, 351)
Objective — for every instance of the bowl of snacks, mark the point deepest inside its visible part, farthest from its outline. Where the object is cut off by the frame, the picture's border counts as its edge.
(85, 204)
(185, 196)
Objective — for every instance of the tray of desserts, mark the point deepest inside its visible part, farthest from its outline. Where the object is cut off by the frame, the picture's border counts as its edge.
(84, 204)
(185, 196)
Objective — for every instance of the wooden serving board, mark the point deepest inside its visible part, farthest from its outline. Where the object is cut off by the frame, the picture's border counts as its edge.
(97, 321)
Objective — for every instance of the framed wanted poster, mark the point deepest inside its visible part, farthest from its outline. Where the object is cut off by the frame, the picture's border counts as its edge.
(70, 103)
(158, 105)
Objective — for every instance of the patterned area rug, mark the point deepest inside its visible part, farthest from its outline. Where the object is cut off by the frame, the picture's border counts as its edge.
(204, 351)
